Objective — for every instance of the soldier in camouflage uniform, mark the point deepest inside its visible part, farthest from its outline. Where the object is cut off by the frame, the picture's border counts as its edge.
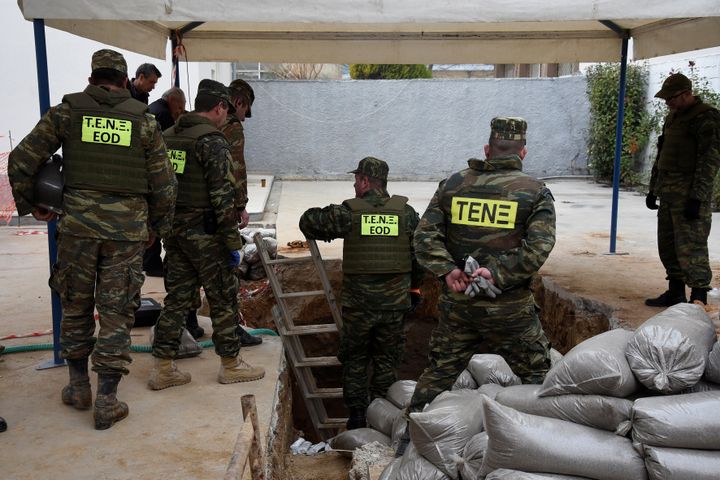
(204, 235)
(119, 193)
(379, 270)
(682, 178)
(505, 219)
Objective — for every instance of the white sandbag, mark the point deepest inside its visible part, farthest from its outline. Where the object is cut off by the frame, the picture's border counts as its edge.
(505, 474)
(679, 421)
(712, 369)
(415, 467)
(538, 444)
(597, 411)
(399, 426)
(352, 439)
(491, 389)
(441, 431)
(491, 368)
(400, 393)
(702, 386)
(250, 254)
(682, 464)
(472, 457)
(596, 366)
(669, 351)
(555, 357)
(391, 471)
(465, 381)
(381, 415)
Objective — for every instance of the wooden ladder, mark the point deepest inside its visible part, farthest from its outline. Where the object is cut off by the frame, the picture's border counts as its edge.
(302, 365)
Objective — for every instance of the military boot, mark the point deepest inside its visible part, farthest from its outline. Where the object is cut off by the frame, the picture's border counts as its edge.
(674, 294)
(247, 340)
(235, 369)
(357, 418)
(108, 409)
(77, 393)
(165, 374)
(698, 294)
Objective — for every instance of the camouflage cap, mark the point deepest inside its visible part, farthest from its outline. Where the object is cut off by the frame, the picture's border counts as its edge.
(241, 87)
(107, 58)
(216, 89)
(372, 167)
(675, 83)
(508, 128)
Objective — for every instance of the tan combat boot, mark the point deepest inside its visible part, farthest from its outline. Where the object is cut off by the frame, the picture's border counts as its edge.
(234, 369)
(77, 393)
(165, 374)
(108, 409)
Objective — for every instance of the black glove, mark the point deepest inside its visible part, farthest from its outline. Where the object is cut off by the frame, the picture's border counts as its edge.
(651, 201)
(415, 299)
(692, 209)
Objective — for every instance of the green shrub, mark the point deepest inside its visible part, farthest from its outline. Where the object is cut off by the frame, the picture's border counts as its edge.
(362, 71)
(602, 90)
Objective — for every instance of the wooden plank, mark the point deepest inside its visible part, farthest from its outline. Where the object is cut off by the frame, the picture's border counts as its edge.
(319, 362)
(309, 293)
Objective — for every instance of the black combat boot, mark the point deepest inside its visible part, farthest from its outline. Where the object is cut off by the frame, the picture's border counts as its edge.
(77, 393)
(357, 418)
(698, 294)
(674, 294)
(247, 340)
(191, 323)
(108, 409)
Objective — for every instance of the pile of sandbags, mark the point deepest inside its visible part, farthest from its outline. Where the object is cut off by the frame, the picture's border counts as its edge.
(251, 267)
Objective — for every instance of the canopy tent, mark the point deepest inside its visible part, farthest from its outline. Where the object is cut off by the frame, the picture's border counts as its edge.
(383, 31)
(391, 31)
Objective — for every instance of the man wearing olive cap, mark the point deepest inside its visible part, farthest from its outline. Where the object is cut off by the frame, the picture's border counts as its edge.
(682, 179)
(505, 220)
(379, 270)
(119, 194)
(204, 237)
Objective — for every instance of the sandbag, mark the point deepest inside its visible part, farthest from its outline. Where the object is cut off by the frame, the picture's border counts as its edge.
(399, 426)
(597, 411)
(538, 444)
(680, 421)
(682, 464)
(381, 414)
(596, 366)
(391, 471)
(555, 357)
(669, 351)
(712, 369)
(465, 381)
(702, 386)
(415, 467)
(472, 457)
(352, 439)
(400, 393)
(505, 474)
(491, 368)
(442, 429)
(491, 389)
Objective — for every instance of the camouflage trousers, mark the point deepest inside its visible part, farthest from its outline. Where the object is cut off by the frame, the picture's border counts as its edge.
(98, 274)
(682, 243)
(190, 264)
(511, 330)
(370, 339)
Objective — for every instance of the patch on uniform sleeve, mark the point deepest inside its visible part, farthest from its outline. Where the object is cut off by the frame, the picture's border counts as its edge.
(108, 131)
(177, 158)
(478, 212)
(379, 225)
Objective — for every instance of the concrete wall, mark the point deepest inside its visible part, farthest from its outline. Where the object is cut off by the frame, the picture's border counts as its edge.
(424, 129)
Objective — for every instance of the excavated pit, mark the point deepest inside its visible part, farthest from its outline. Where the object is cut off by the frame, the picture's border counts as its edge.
(568, 319)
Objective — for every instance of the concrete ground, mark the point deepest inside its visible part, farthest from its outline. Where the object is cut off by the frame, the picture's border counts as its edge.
(190, 431)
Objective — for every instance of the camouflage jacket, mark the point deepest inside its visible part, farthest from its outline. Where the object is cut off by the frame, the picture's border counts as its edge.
(90, 213)
(697, 184)
(213, 154)
(366, 292)
(233, 131)
(460, 220)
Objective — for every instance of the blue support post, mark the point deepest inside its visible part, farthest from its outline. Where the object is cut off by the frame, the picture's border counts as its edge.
(618, 145)
(44, 96)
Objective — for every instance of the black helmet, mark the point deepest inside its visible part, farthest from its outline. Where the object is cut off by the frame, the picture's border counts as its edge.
(49, 185)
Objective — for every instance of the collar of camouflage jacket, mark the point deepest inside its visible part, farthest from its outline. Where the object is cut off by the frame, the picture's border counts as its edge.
(375, 194)
(508, 162)
(191, 119)
(106, 96)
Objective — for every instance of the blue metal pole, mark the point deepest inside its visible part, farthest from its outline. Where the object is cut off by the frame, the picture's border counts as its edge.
(44, 96)
(618, 145)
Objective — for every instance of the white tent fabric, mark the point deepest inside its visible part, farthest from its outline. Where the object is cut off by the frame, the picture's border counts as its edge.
(390, 31)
